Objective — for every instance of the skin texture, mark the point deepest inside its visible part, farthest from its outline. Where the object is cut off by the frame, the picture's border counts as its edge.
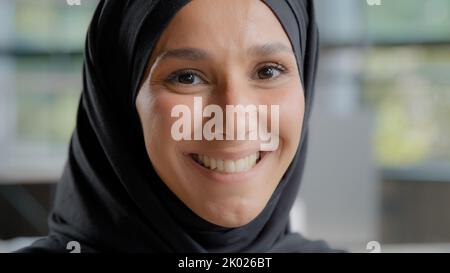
(246, 58)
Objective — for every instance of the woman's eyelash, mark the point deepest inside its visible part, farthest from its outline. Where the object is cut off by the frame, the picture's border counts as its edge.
(278, 67)
(275, 65)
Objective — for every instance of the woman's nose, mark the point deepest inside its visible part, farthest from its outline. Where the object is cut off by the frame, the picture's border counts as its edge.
(235, 99)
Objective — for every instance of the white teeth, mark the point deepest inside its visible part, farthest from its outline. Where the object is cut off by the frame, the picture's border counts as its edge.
(228, 166)
(240, 165)
(220, 167)
(213, 164)
(206, 161)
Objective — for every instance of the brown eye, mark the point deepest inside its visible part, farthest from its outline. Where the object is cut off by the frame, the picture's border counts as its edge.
(269, 72)
(185, 77)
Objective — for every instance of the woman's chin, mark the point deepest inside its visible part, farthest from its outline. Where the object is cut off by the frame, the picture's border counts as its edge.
(229, 199)
(230, 219)
(230, 212)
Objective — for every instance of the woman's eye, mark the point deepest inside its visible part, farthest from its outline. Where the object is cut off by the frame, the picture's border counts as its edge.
(186, 77)
(270, 72)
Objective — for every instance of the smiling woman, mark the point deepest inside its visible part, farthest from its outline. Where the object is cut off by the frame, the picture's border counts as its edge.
(249, 61)
(130, 186)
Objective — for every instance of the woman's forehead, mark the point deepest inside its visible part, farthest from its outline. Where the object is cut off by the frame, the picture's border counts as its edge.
(223, 26)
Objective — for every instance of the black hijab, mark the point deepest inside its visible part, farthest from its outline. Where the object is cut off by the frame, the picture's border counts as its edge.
(109, 197)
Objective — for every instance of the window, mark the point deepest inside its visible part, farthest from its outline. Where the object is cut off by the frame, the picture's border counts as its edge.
(397, 58)
(41, 52)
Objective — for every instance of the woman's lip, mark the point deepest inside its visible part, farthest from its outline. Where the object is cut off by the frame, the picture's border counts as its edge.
(228, 177)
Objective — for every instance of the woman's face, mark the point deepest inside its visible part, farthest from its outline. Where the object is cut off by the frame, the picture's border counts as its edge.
(226, 52)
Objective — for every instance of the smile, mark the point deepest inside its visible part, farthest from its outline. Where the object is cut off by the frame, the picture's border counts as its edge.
(227, 166)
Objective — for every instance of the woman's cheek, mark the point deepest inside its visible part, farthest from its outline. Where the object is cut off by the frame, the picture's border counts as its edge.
(291, 111)
(154, 111)
(159, 116)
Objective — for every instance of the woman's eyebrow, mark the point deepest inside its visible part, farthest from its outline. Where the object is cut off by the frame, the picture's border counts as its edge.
(269, 49)
(195, 54)
(188, 53)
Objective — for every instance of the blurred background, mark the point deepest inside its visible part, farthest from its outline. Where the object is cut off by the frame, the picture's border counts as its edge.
(378, 167)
